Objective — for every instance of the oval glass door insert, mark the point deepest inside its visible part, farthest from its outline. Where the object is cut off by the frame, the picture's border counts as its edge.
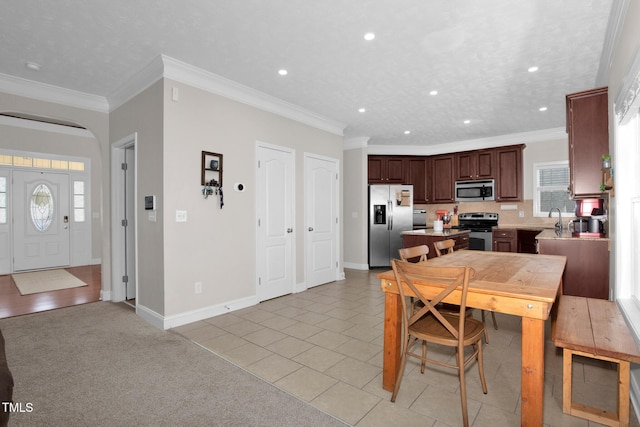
(41, 207)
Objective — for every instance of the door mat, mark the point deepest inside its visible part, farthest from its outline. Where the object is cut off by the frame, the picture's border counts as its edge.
(44, 281)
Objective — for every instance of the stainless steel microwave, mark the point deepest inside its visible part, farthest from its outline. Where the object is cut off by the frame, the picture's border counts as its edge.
(482, 190)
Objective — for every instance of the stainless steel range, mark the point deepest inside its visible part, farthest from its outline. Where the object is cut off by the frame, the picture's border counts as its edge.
(480, 226)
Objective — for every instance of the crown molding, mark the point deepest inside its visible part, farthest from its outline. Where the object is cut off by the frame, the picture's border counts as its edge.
(213, 83)
(628, 97)
(355, 143)
(166, 67)
(472, 144)
(138, 83)
(614, 28)
(55, 94)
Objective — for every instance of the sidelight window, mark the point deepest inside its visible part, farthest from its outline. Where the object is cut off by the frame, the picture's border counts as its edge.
(3, 199)
(78, 201)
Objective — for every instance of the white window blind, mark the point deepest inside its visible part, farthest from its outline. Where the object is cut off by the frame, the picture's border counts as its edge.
(552, 183)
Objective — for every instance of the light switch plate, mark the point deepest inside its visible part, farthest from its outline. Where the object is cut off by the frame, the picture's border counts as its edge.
(181, 216)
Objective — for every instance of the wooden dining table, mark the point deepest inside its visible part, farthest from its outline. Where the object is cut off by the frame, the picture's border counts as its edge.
(524, 285)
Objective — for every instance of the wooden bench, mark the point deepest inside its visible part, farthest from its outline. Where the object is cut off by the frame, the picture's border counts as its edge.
(594, 328)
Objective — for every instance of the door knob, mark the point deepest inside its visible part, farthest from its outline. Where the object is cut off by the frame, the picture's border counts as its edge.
(310, 228)
(289, 230)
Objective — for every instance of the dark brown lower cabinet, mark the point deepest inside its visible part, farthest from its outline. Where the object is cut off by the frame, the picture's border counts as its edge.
(505, 240)
(527, 241)
(587, 271)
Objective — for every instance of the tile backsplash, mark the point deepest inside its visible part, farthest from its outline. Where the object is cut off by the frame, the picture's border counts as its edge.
(509, 213)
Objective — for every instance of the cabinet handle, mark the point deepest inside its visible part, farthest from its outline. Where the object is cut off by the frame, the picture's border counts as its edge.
(310, 228)
(289, 230)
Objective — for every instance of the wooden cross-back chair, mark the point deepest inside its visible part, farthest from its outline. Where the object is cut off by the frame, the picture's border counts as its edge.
(414, 253)
(430, 325)
(444, 247)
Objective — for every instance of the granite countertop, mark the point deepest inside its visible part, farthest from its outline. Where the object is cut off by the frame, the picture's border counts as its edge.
(431, 232)
(564, 235)
(526, 226)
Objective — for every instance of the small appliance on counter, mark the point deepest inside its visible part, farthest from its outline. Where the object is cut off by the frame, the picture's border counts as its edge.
(590, 218)
(443, 215)
(419, 219)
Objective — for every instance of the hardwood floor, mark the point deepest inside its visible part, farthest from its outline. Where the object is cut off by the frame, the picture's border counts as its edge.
(14, 304)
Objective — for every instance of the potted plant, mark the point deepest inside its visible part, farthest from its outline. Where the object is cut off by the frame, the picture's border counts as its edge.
(606, 161)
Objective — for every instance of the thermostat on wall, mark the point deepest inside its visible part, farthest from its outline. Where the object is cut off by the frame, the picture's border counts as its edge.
(150, 203)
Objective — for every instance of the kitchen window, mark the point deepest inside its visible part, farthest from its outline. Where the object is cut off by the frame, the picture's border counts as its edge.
(551, 188)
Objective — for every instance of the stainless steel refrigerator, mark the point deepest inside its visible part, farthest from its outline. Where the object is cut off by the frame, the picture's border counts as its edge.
(390, 213)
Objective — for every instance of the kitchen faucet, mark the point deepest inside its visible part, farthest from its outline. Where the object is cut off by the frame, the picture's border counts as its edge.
(559, 223)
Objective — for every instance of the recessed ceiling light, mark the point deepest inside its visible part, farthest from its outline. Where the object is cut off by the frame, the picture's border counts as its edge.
(369, 36)
(543, 108)
(407, 132)
(32, 66)
(283, 72)
(361, 110)
(532, 69)
(466, 122)
(433, 92)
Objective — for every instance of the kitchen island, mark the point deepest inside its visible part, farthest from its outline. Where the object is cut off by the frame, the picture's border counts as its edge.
(429, 236)
(587, 270)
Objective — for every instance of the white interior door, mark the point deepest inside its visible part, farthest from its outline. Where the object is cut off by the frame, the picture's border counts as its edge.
(321, 220)
(41, 220)
(129, 222)
(275, 206)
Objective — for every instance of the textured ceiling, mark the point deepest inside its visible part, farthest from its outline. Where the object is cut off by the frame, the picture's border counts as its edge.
(475, 53)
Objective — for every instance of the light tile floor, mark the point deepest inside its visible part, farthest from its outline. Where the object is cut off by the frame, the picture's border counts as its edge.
(324, 346)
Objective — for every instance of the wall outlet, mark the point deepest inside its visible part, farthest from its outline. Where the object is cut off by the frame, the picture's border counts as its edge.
(521, 214)
(198, 287)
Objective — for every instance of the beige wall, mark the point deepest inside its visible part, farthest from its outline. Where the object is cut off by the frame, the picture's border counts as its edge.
(143, 115)
(214, 246)
(217, 246)
(355, 209)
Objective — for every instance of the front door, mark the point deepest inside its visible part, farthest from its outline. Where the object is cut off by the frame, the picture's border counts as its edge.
(41, 220)
(274, 203)
(321, 219)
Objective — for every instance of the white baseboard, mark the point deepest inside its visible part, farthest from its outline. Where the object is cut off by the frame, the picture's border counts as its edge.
(168, 322)
(150, 316)
(355, 266)
(300, 287)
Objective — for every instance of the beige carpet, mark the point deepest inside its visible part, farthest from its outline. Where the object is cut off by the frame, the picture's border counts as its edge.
(45, 281)
(100, 364)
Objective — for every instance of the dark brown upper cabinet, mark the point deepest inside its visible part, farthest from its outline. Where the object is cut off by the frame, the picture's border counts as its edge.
(588, 130)
(477, 164)
(418, 169)
(509, 179)
(442, 182)
(386, 170)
